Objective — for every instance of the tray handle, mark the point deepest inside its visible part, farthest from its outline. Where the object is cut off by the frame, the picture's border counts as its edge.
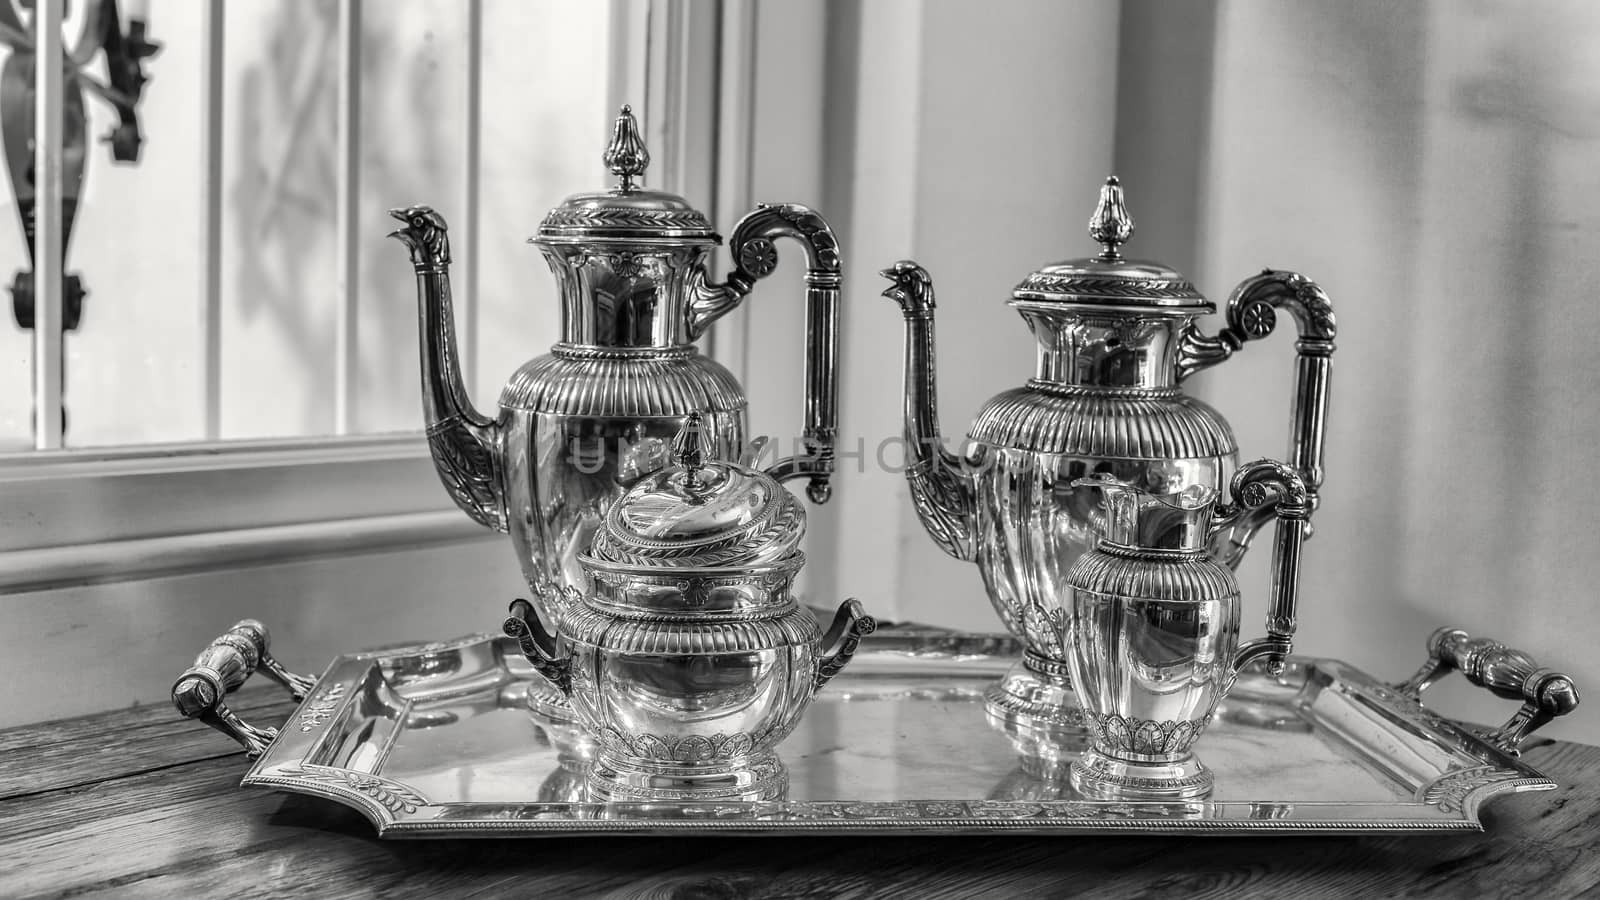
(225, 664)
(1505, 672)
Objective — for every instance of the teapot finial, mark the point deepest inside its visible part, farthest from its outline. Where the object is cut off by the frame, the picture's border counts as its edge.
(626, 155)
(1111, 225)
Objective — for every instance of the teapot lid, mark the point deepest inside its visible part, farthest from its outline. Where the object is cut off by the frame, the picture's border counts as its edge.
(700, 513)
(1108, 279)
(627, 211)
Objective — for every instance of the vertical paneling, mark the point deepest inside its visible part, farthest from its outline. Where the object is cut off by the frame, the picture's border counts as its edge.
(736, 109)
(472, 137)
(49, 249)
(348, 219)
(211, 197)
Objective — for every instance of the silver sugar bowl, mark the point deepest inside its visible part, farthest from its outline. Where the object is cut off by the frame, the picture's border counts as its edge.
(688, 659)
(1152, 628)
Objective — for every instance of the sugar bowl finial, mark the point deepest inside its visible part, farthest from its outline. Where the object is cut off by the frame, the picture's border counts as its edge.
(626, 155)
(1111, 225)
(689, 452)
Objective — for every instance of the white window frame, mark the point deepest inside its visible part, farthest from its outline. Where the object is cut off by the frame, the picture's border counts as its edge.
(74, 517)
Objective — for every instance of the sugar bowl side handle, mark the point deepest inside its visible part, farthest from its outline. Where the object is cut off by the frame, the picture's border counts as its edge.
(538, 645)
(850, 624)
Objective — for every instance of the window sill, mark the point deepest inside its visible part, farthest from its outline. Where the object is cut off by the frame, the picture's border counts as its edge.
(77, 565)
(91, 517)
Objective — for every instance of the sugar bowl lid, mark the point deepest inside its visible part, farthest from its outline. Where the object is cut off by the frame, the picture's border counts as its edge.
(1109, 279)
(700, 513)
(628, 211)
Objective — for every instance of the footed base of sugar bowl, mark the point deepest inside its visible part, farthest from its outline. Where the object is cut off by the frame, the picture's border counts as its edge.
(613, 778)
(1098, 776)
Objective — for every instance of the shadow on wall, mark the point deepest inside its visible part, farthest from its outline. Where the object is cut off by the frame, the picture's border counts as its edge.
(282, 200)
(1431, 166)
(284, 187)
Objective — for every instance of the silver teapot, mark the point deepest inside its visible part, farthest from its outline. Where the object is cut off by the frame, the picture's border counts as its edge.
(687, 658)
(579, 424)
(1117, 337)
(1152, 626)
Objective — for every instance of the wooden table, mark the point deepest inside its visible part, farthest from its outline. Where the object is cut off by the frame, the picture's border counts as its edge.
(141, 803)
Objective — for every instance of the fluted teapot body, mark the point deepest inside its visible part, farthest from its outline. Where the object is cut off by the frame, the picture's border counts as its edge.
(1115, 339)
(579, 424)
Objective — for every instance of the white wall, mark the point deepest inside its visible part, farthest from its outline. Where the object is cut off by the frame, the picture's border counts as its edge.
(79, 650)
(1432, 166)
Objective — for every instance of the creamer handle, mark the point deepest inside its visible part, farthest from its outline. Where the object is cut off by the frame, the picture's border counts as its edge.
(1268, 483)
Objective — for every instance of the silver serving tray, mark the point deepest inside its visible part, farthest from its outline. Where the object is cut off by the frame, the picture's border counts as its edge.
(434, 741)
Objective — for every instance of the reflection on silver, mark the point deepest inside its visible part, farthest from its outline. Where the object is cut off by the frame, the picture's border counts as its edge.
(899, 746)
(1116, 337)
(1152, 631)
(573, 746)
(688, 660)
(581, 423)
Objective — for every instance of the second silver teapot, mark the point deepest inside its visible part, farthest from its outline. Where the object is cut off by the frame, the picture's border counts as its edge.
(1116, 339)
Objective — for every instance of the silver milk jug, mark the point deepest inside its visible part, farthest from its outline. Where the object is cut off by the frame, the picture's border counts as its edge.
(1116, 339)
(1152, 626)
(686, 657)
(580, 423)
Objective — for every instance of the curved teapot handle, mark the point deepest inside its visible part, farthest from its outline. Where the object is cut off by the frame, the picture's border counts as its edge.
(1269, 485)
(754, 257)
(1252, 315)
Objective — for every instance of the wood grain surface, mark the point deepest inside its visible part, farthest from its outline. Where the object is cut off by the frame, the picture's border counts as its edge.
(141, 803)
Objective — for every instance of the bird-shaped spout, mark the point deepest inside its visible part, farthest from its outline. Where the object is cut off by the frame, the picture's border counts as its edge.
(465, 444)
(942, 490)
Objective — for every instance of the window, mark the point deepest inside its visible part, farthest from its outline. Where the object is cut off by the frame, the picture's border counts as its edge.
(206, 474)
(203, 386)
(294, 317)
